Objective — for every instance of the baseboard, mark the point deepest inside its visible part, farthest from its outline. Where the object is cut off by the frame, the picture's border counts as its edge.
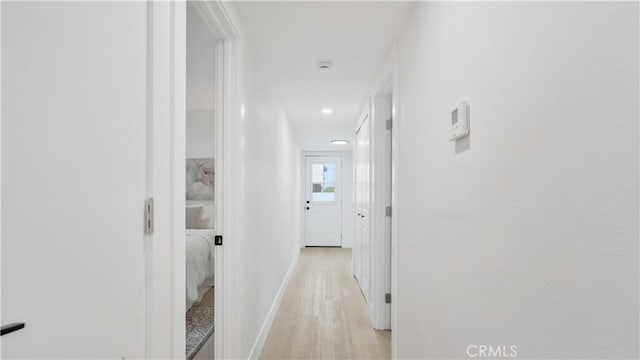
(256, 349)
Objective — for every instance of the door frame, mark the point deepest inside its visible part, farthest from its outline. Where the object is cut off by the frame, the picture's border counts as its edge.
(381, 223)
(303, 192)
(382, 253)
(167, 108)
(339, 179)
(395, 115)
(1, 165)
(222, 22)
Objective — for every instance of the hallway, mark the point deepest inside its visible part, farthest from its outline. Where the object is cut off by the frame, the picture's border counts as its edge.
(323, 314)
(259, 179)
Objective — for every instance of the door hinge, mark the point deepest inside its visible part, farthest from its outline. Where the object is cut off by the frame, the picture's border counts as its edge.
(388, 211)
(387, 298)
(389, 124)
(218, 240)
(148, 216)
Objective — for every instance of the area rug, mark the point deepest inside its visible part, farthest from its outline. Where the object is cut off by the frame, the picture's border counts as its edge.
(199, 328)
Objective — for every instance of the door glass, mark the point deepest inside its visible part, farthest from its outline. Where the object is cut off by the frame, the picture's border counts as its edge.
(323, 182)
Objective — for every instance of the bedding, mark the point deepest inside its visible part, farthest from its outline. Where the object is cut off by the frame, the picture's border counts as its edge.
(200, 214)
(200, 250)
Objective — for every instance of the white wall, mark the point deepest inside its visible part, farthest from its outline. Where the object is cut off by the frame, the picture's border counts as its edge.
(200, 135)
(269, 191)
(348, 227)
(201, 81)
(526, 232)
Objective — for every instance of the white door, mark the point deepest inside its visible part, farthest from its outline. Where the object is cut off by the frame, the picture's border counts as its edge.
(361, 190)
(323, 189)
(74, 77)
(363, 209)
(357, 191)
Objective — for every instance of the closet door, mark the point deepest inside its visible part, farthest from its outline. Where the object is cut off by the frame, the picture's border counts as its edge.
(74, 100)
(357, 248)
(365, 242)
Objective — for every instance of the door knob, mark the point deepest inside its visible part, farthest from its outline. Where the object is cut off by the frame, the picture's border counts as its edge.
(307, 201)
(307, 208)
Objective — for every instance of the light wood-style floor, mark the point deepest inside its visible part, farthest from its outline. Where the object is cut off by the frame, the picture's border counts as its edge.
(323, 313)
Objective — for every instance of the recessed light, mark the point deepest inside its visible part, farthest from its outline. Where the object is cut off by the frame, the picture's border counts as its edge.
(324, 67)
(339, 142)
(326, 111)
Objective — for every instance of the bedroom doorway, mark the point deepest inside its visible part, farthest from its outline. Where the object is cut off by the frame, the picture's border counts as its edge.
(202, 89)
(203, 212)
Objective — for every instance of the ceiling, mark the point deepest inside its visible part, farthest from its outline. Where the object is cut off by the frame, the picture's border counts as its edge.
(291, 38)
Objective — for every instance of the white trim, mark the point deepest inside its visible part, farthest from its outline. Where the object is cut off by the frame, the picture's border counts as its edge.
(222, 21)
(219, 18)
(177, 150)
(168, 38)
(380, 222)
(397, 122)
(381, 314)
(381, 109)
(0, 162)
(227, 342)
(219, 271)
(256, 349)
(388, 80)
(165, 131)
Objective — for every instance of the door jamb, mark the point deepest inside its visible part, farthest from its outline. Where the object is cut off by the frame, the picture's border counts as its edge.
(387, 82)
(395, 115)
(221, 20)
(0, 162)
(381, 198)
(167, 60)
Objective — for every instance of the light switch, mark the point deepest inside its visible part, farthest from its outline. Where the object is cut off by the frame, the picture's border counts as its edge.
(459, 122)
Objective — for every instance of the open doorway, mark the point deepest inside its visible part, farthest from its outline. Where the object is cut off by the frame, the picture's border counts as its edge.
(202, 210)
(204, 106)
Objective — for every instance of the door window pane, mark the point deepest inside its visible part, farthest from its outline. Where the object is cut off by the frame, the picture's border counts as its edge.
(323, 182)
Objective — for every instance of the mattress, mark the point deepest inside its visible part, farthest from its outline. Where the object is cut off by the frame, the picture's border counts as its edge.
(200, 250)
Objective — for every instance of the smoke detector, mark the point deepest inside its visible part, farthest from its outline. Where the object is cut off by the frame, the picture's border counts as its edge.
(324, 67)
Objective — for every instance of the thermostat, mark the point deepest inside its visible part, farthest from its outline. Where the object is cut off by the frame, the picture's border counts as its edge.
(459, 122)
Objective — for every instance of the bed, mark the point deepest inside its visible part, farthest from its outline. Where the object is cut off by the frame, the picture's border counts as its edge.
(200, 250)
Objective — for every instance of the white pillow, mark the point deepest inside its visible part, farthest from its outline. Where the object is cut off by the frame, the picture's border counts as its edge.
(200, 215)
